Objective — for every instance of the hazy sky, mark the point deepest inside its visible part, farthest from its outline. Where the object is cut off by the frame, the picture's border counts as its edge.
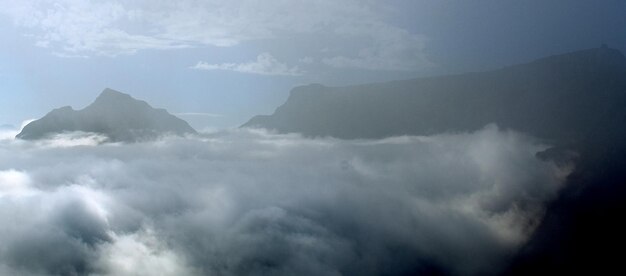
(221, 62)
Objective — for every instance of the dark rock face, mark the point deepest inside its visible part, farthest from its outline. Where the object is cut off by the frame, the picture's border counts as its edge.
(576, 102)
(582, 232)
(114, 114)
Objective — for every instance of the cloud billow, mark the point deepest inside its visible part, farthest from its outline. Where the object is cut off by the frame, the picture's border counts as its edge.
(246, 202)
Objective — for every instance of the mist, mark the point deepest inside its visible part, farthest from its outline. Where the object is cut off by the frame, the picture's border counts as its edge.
(252, 202)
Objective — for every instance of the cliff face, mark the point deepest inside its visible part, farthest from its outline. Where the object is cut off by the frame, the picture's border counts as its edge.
(558, 98)
(114, 114)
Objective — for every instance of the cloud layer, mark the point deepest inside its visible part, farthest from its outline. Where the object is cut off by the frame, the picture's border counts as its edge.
(348, 33)
(246, 202)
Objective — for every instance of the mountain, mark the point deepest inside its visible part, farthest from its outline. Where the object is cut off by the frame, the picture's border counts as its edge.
(117, 115)
(560, 98)
(574, 101)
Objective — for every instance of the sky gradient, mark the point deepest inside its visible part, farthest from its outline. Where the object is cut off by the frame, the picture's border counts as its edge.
(218, 63)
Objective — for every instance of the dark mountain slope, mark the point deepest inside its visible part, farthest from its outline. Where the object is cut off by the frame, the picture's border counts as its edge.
(582, 232)
(114, 114)
(560, 98)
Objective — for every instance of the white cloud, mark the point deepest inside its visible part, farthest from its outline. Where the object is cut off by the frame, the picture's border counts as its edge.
(357, 34)
(265, 64)
(14, 183)
(7, 134)
(76, 28)
(244, 202)
(73, 139)
(140, 253)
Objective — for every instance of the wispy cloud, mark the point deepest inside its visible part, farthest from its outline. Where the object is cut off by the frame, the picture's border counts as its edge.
(265, 64)
(357, 34)
(67, 55)
(72, 28)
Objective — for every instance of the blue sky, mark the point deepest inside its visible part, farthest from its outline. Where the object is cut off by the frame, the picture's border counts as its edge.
(218, 63)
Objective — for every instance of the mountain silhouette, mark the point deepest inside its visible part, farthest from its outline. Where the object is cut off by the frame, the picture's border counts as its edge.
(574, 101)
(116, 115)
(561, 98)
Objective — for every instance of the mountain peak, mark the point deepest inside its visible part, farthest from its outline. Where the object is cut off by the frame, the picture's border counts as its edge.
(109, 94)
(110, 99)
(65, 109)
(114, 114)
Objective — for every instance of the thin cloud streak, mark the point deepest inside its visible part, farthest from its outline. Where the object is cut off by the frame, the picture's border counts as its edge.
(265, 64)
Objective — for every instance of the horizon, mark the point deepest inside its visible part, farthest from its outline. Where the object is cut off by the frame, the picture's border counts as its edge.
(187, 116)
(227, 74)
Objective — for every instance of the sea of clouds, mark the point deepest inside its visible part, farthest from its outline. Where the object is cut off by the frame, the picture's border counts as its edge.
(249, 202)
